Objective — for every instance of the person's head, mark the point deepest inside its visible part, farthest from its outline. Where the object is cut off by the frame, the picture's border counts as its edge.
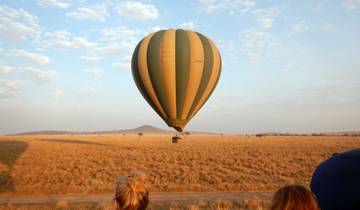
(131, 192)
(294, 197)
(336, 181)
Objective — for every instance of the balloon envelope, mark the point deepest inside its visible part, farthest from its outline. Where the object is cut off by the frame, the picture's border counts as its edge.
(176, 71)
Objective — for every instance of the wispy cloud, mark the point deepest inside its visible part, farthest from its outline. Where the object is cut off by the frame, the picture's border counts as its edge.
(119, 42)
(8, 89)
(96, 72)
(39, 58)
(266, 17)
(60, 4)
(118, 49)
(5, 69)
(154, 29)
(351, 4)
(38, 76)
(17, 24)
(327, 27)
(94, 12)
(64, 40)
(255, 45)
(81, 42)
(120, 33)
(122, 65)
(57, 94)
(90, 58)
(227, 47)
(87, 89)
(299, 27)
(187, 25)
(288, 67)
(57, 39)
(137, 10)
(230, 6)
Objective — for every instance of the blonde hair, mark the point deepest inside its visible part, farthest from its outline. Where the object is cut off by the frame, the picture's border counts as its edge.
(294, 197)
(131, 192)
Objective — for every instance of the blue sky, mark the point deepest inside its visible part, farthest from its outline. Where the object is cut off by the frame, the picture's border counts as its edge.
(288, 66)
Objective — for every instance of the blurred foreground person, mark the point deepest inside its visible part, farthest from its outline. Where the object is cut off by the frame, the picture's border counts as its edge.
(131, 192)
(294, 197)
(336, 181)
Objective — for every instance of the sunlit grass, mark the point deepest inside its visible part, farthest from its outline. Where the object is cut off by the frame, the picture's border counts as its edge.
(90, 164)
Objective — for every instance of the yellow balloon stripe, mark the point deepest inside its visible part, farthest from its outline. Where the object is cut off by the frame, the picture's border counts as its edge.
(195, 71)
(168, 70)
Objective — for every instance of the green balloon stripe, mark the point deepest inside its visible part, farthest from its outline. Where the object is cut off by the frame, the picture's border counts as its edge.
(182, 59)
(153, 62)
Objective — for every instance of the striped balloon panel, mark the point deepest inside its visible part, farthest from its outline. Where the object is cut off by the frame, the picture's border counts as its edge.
(176, 71)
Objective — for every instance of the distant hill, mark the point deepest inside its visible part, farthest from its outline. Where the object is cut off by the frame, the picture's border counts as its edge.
(145, 129)
(141, 129)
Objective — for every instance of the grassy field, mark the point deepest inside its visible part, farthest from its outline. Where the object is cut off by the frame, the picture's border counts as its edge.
(90, 164)
(218, 204)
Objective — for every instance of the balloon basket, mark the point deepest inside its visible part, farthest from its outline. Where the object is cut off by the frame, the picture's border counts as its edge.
(175, 139)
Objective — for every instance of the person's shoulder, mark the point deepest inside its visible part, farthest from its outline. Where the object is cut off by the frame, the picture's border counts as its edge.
(336, 182)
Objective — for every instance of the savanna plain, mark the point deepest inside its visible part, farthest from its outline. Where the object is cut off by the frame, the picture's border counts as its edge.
(90, 164)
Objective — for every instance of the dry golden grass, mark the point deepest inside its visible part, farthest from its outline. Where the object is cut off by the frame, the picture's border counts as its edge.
(81, 206)
(90, 164)
(219, 204)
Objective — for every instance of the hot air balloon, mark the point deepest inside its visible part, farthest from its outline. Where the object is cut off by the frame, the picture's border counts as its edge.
(176, 71)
